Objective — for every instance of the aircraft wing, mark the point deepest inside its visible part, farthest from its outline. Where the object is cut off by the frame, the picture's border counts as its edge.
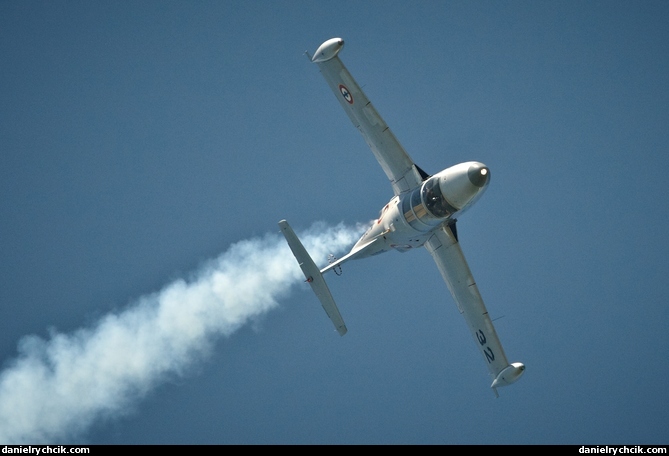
(446, 251)
(396, 163)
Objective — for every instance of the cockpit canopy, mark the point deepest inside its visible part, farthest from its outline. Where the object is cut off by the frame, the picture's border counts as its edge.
(445, 194)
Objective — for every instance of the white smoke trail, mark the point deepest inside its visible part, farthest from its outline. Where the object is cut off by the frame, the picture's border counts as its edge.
(56, 389)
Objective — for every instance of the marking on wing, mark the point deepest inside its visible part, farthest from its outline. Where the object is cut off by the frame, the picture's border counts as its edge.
(487, 351)
(346, 93)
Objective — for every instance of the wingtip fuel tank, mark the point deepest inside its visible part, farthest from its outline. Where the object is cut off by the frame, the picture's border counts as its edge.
(328, 50)
(508, 375)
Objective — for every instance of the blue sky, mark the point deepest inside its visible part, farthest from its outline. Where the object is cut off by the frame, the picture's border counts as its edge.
(139, 140)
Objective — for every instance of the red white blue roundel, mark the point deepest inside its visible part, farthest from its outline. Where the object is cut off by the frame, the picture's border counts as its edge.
(345, 93)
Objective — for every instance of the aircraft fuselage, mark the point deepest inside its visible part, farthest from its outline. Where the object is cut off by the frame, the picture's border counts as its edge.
(409, 219)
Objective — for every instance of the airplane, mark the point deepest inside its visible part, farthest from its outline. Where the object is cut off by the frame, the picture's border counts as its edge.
(422, 213)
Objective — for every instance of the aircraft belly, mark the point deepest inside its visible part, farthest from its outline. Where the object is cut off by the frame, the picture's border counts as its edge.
(393, 229)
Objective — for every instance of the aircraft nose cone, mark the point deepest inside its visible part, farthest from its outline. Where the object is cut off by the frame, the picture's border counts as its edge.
(478, 174)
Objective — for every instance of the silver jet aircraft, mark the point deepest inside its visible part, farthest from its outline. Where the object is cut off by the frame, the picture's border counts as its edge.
(423, 212)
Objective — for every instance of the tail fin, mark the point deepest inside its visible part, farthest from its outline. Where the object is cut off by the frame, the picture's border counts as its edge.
(314, 277)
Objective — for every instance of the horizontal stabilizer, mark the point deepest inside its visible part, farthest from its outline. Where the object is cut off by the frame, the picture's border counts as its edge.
(314, 277)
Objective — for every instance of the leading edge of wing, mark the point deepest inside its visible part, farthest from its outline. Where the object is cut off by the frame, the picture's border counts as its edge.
(447, 254)
(394, 160)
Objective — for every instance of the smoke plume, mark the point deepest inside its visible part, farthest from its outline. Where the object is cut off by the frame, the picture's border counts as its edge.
(55, 389)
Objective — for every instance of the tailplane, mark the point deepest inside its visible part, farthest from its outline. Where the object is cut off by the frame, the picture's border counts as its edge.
(314, 277)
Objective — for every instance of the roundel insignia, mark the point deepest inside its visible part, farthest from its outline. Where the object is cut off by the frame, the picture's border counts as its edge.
(346, 94)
